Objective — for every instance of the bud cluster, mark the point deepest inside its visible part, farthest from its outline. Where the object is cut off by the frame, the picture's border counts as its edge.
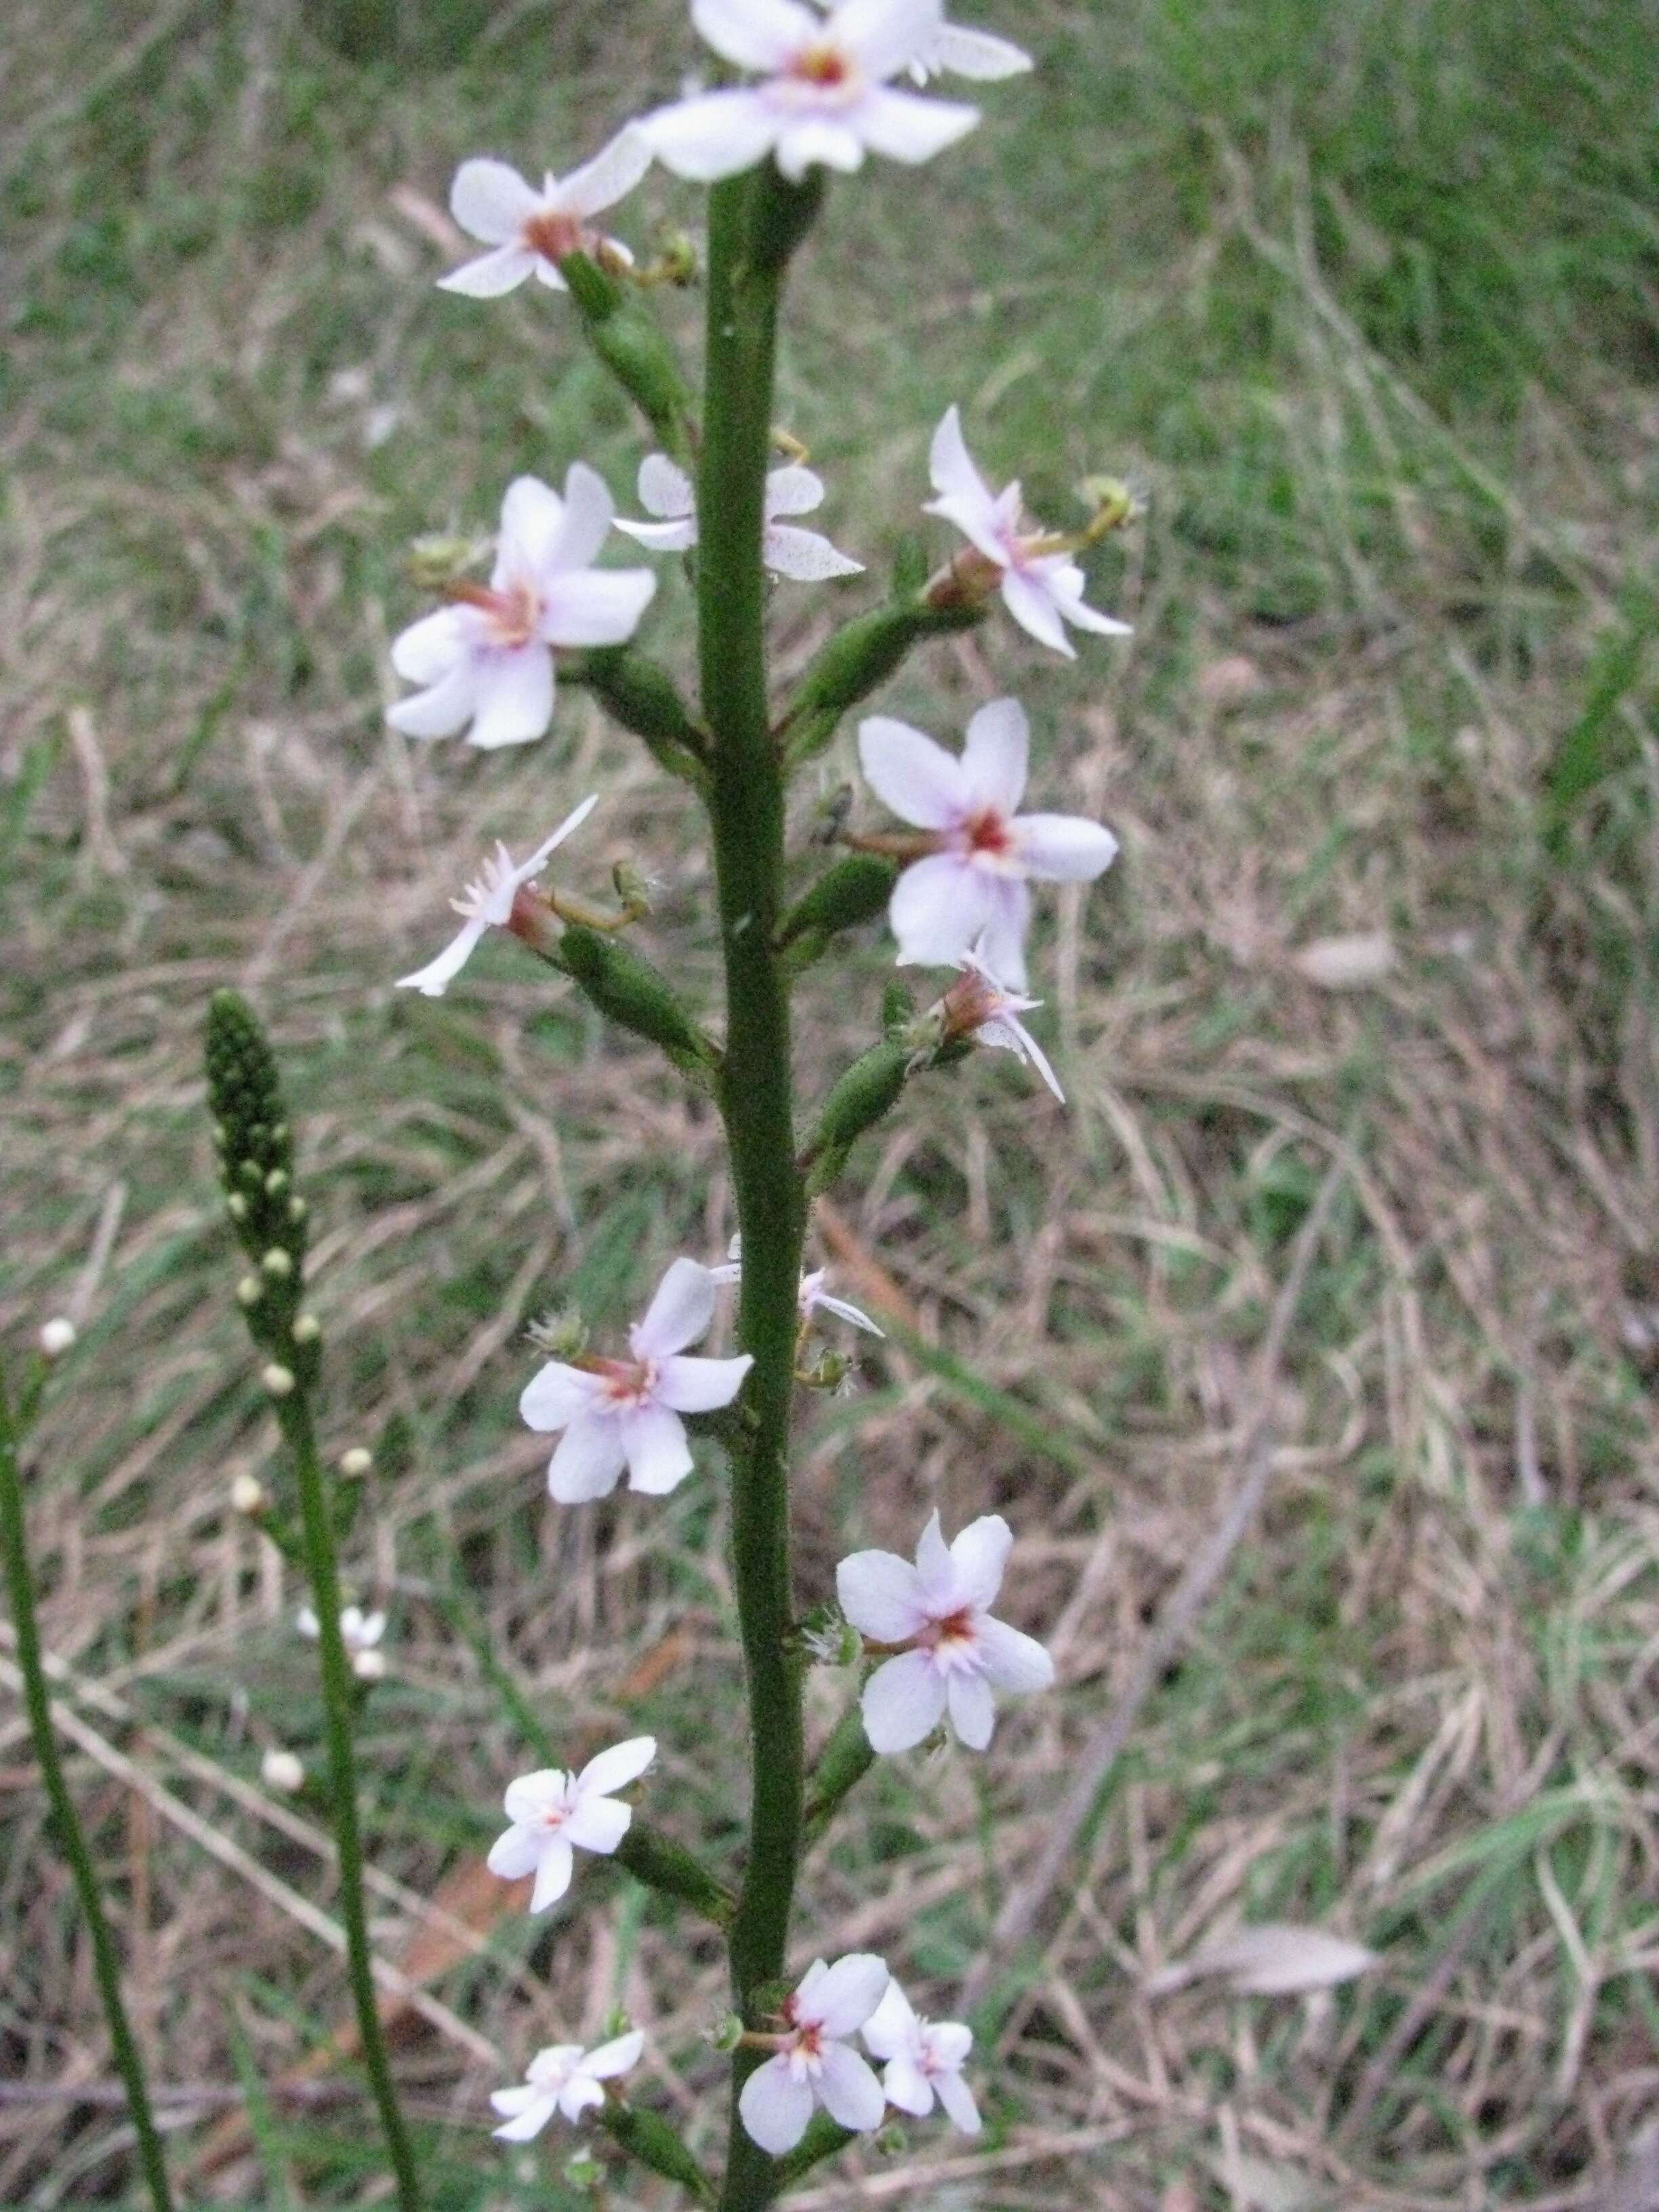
(256, 1171)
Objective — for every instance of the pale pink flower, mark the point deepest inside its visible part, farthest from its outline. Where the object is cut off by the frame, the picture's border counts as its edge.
(555, 1814)
(665, 492)
(813, 1294)
(1042, 584)
(979, 1008)
(824, 100)
(978, 854)
(566, 2079)
(487, 659)
(529, 232)
(626, 1412)
(925, 2059)
(360, 1632)
(488, 904)
(814, 2062)
(957, 1655)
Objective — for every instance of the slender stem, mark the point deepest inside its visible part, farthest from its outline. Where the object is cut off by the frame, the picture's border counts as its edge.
(322, 1569)
(14, 1540)
(746, 805)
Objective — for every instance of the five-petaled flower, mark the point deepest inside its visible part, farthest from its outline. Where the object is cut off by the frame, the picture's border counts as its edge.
(1042, 584)
(812, 2062)
(824, 98)
(957, 1655)
(665, 492)
(924, 2060)
(564, 2078)
(529, 232)
(487, 659)
(813, 1294)
(976, 856)
(979, 1008)
(360, 1632)
(488, 904)
(552, 1811)
(626, 1412)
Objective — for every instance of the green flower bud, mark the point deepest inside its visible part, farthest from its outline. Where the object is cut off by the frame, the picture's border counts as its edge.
(854, 890)
(727, 2032)
(628, 989)
(236, 1206)
(857, 659)
(639, 695)
(870, 1088)
(249, 1291)
(308, 1328)
(278, 1381)
(654, 2143)
(627, 340)
(276, 1182)
(277, 1264)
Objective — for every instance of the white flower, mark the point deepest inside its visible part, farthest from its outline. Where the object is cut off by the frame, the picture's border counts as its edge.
(958, 51)
(812, 1291)
(925, 2059)
(825, 99)
(978, 854)
(626, 1412)
(529, 233)
(360, 1632)
(1042, 584)
(57, 1335)
(487, 659)
(552, 1811)
(814, 2064)
(563, 2078)
(979, 1008)
(958, 1654)
(665, 492)
(488, 904)
(281, 1770)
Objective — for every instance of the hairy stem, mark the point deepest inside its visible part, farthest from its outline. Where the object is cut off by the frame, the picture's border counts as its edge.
(322, 1569)
(746, 807)
(14, 1542)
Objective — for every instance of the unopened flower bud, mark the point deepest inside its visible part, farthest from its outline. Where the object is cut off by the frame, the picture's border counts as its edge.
(278, 1381)
(276, 1182)
(369, 1666)
(248, 1495)
(277, 1264)
(236, 1206)
(308, 1328)
(56, 1336)
(281, 1769)
(297, 1209)
(253, 1175)
(355, 1463)
(250, 1290)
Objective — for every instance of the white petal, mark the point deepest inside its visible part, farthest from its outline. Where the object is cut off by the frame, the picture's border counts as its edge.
(1065, 583)
(659, 1456)
(529, 2123)
(665, 490)
(852, 2096)
(516, 2099)
(855, 1315)
(612, 172)
(948, 2042)
(977, 54)
(1006, 918)
(588, 1462)
(307, 1622)
(1012, 1660)
(555, 1396)
(607, 1771)
(842, 1998)
(954, 476)
(679, 1313)
(804, 555)
(429, 650)
(700, 1386)
(527, 870)
(503, 269)
(1019, 1039)
(881, 1595)
(491, 200)
(1033, 609)
(715, 134)
(443, 710)
(939, 906)
(936, 1570)
(818, 142)
(912, 777)
(885, 35)
(1063, 848)
(588, 508)
(661, 537)
(553, 1875)
(755, 34)
(434, 979)
(595, 606)
(580, 2095)
(903, 1702)
(516, 1853)
(979, 1558)
(892, 2026)
(793, 490)
(532, 517)
(908, 2087)
(995, 756)
(1083, 616)
(530, 1797)
(598, 1823)
(370, 1628)
(905, 127)
(958, 2100)
(514, 697)
(973, 1710)
(618, 2056)
(774, 2106)
(547, 272)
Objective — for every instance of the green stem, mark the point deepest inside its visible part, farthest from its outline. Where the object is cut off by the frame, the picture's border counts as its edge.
(14, 1539)
(339, 1704)
(746, 807)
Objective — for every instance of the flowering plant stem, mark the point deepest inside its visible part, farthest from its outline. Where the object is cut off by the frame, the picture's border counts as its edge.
(322, 1569)
(753, 220)
(14, 1542)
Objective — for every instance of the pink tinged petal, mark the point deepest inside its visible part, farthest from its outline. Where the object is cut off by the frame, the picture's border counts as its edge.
(553, 1875)
(793, 490)
(588, 1462)
(912, 777)
(977, 54)
(810, 1980)
(804, 555)
(977, 523)
(774, 2106)
(491, 200)
(679, 1313)
(1033, 609)
(595, 606)
(488, 277)
(841, 1999)
(936, 1570)
(1063, 848)
(659, 1456)
(817, 143)
(903, 1701)
(588, 509)
(528, 2122)
(755, 34)
(615, 1768)
(948, 2044)
(598, 1823)
(665, 490)
(430, 649)
(881, 1594)
(956, 477)
(610, 176)
(908, 2087)
(580, 2095)
(905, 127)
(958, 2100)
(700, 1386)
(852, 2096)
(661, 537)
(1065, 583)
(515, 1853)
(618, 2056)
(713, 135)
(434, 979)
(533, 518)
(441, 712)
(1011, 1660)
(1007, 917)
(892, 2028)
(973, 1708)
(556, 1396)
(979, 1558)
(514, 697)
(530, 1797)
(885, 35)
(995, 755)
(939, 906)
(553, 2066)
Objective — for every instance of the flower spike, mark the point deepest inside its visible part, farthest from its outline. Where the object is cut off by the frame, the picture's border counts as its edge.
(555, 1814)
(665, 493)
(529, 233)
(488, 904)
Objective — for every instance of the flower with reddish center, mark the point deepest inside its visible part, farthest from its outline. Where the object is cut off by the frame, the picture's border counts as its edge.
(529, 233)
(1042, 584)
(955, 1655)
(554, 1813)
(978, 1010)
(812, 2062)
(490, 903)
(486, 660)
(565, 2079)
(665, 493)
(619, 1413)
(977, 855)
(823, 99)
(925, 2059)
